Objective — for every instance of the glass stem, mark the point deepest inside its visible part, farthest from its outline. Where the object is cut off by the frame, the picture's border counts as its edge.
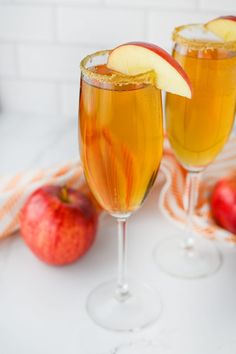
(122, 289)
(191, 195)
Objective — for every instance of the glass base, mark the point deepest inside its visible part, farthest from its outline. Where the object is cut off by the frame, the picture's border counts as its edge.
(140, 309)
(202, 260)
(142, 346)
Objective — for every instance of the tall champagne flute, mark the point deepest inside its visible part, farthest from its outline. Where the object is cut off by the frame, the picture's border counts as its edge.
(197, 131)
(121, 138)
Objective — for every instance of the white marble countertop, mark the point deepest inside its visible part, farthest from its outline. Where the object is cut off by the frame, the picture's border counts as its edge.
(42, 308)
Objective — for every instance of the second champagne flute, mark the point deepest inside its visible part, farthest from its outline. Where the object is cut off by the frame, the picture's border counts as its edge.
(197, 130)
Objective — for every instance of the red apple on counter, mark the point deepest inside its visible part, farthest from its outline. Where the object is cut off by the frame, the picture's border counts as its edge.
(139, 57)
(224, 27)
(58, 224)
(223, 204)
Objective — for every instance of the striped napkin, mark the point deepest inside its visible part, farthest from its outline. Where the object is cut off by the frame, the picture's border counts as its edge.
(171, 201)
(15, 189)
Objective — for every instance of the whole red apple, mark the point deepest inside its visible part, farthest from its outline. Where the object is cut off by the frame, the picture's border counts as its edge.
(223, 204)
(58, 224)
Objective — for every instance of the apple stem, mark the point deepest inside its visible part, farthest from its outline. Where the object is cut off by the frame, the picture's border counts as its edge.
(64, 194)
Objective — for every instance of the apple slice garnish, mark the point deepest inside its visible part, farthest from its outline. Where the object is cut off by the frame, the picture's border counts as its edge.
(223, 27)
(139, 57)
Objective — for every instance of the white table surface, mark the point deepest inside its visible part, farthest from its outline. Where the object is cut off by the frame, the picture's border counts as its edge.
(42, 308)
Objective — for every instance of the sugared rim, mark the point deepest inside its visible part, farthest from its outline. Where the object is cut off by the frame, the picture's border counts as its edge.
(117, 78)
(200, 44)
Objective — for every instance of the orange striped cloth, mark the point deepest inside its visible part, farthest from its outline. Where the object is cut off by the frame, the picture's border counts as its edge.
(172, 194)
(14, 190)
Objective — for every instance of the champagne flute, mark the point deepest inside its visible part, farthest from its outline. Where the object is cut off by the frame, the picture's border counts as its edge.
(198, 130)
(121, 139)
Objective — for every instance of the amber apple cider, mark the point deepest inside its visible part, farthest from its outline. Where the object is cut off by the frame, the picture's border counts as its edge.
(198, 128)
(121, 140)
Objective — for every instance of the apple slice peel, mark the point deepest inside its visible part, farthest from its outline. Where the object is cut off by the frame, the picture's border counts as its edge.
(138, 57)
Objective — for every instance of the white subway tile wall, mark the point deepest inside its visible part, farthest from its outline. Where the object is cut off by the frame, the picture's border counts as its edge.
(7, 60)
(26, 23)
(69, 96)
(158, 20)
(23, 96)
(43, 41)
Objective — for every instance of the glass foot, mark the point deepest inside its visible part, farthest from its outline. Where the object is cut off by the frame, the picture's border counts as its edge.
(138, 310)
(142, 346)
(177, 260)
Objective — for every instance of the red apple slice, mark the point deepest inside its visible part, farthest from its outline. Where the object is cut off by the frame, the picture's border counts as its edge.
(138, 57)
(224, 27)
